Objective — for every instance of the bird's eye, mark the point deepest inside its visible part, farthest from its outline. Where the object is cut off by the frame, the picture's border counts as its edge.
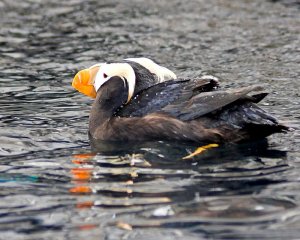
(104, 75)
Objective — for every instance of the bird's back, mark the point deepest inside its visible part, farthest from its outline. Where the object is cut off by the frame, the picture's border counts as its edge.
(232, 111)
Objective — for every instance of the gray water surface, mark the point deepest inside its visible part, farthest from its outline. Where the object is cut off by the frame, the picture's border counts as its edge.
(52, 183)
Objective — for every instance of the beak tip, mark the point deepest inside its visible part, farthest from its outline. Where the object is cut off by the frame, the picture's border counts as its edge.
(82, 83)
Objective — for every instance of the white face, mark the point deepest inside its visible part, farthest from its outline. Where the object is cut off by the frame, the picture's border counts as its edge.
(101, 77)
(122, 70)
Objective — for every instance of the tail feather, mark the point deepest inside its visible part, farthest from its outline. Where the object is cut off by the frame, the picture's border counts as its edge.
(252, 120)
(258, 97)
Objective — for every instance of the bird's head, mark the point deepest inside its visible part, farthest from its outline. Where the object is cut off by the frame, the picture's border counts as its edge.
(89, 81)
(122, 70)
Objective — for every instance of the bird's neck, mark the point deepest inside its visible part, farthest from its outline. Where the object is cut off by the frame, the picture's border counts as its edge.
(109, 98)
(98, 116)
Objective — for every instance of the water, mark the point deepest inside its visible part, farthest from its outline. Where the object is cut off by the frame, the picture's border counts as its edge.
(53, 185)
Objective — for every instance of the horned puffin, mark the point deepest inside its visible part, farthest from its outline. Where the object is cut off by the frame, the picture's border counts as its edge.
(131, 107)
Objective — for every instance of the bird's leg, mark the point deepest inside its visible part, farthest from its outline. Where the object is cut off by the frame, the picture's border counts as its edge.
(200, 150)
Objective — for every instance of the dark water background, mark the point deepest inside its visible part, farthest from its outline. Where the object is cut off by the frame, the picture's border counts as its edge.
(53, 187)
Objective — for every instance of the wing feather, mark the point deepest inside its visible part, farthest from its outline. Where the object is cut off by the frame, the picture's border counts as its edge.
(207, 102)
(185, 99)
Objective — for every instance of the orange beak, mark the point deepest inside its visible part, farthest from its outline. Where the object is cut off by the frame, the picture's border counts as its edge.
(84, 81)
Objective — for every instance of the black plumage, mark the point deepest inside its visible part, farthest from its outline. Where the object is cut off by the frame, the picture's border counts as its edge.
(166, 97)
(182, 109)
(144, 78)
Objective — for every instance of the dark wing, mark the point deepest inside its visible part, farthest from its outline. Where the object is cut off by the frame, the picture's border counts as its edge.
(157, 97)
(207, 102)
(185, 99)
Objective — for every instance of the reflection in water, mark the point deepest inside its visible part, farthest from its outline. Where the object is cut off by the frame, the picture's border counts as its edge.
(115, 196)
(188, 196)
(56, 185)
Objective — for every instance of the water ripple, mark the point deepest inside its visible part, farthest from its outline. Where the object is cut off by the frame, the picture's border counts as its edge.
(54, 182)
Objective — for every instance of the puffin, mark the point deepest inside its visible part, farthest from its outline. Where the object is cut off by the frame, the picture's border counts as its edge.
(129, 106)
